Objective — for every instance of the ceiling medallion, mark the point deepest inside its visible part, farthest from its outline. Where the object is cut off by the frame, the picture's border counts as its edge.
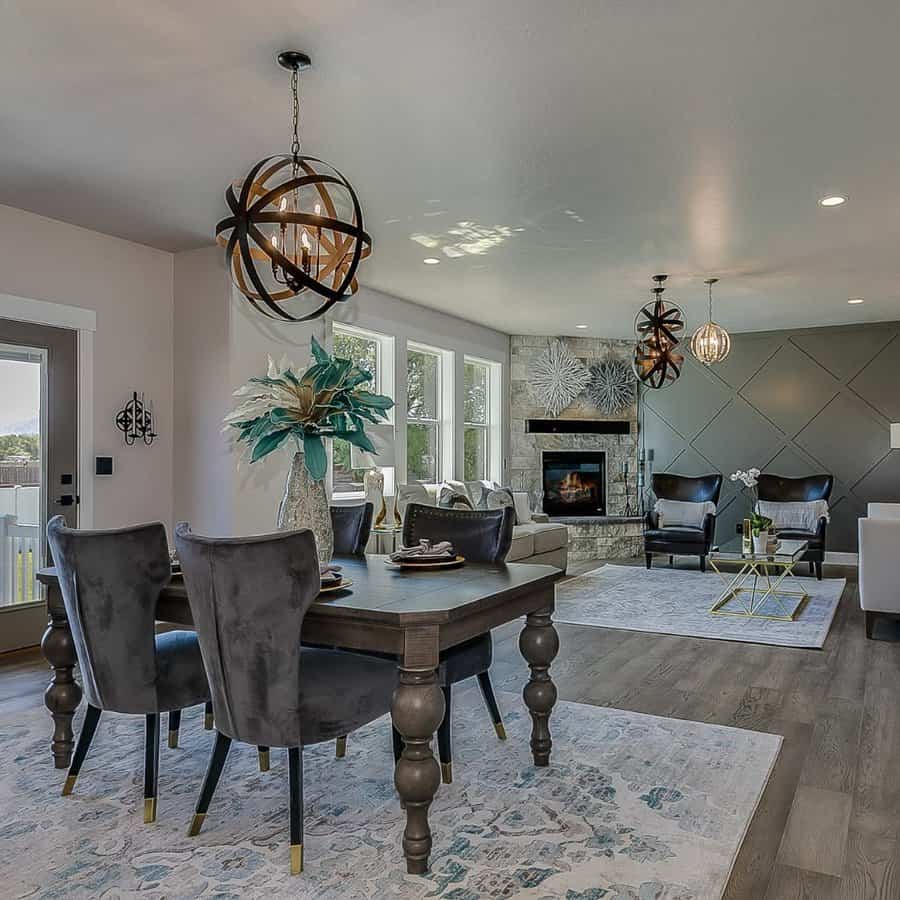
(296, 228)
(711, 343)
(658, 327)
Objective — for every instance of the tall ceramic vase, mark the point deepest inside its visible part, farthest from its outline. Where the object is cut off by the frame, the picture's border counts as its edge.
(305, 505)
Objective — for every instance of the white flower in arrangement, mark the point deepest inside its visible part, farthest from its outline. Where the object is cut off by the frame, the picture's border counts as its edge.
(749, 478)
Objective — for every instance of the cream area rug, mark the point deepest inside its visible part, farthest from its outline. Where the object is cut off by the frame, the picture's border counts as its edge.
(672, 601)
(631, 807)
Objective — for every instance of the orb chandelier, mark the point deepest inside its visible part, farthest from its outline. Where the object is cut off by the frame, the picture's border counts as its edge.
(658, 327)
(295, 237)
(711, 343)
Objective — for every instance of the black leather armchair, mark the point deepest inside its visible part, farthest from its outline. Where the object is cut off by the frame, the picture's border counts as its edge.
(780, 489)
(682, 540)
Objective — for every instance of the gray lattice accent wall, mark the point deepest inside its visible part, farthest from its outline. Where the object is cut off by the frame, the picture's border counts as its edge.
(792, 403)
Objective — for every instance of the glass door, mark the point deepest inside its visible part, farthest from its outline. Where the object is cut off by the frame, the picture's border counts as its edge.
(38, 406)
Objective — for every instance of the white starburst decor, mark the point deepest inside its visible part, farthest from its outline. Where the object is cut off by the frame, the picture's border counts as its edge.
(612, 386)
(557, 377)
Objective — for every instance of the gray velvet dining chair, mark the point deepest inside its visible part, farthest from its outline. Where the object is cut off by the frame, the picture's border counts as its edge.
(481, 536)
(248, 598)
(110, 583)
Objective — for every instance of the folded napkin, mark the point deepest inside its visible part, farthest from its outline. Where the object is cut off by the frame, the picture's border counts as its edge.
(425, 551)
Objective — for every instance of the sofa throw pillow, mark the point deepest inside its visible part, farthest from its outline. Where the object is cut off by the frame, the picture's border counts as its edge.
(451, 499)
(501, 497)
(682, 513)
(478, 492)
(794, 516)
(523, 507)
(411, 493)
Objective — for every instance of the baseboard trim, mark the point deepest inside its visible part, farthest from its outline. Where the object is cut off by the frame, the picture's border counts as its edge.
(837, 558)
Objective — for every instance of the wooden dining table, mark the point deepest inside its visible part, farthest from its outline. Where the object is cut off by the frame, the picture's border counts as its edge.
(412, 614)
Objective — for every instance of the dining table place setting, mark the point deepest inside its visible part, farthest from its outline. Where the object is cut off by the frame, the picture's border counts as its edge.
(333, 579)
(426, 554)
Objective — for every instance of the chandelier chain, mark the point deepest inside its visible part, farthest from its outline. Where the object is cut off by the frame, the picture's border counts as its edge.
(295, 143)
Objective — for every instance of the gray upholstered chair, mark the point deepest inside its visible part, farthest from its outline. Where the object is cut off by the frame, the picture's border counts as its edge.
(248, 598)
(110, 583)
(352, 526)
(479, 536)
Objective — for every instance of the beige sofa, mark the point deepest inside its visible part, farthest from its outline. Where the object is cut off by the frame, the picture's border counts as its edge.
(535, 538)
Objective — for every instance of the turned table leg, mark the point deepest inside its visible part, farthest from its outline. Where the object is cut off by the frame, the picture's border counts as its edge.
(63, 694)
(417, 711)
(539, 644)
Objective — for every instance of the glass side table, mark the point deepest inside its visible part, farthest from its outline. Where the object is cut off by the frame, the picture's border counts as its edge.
(757, 591)
(386, 538)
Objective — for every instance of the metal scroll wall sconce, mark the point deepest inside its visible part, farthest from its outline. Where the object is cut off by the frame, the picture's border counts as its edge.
(135, 421)
(659, 327)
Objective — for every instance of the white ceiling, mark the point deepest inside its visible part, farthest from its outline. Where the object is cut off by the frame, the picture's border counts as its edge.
(605, 140)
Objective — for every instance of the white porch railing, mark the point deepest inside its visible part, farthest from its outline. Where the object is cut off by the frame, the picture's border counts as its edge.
(20, 552)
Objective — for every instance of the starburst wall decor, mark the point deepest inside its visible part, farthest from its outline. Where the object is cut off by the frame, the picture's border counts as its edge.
(558, 377)
(612, 386)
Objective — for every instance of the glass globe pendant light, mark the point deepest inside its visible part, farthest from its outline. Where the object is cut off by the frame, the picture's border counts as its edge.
(294, 239)
(710, 343)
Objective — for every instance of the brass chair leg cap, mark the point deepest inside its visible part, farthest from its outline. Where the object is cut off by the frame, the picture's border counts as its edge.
(263, 760)
(149, 810)
(447, 773)
(340, 748)
(173, 740)
(501, 731)
(296, 859)
(69, 786)
(196, 824)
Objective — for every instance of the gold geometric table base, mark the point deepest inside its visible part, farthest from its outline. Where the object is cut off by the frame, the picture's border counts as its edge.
(753, 600)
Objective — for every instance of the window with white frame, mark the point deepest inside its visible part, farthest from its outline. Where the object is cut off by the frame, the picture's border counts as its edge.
(429, 408)
(375, 353)
(481, 420)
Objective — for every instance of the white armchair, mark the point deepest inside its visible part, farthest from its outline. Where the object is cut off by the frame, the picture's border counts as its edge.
(879, 563)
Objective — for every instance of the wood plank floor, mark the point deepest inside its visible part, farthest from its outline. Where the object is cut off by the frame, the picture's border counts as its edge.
(828, 825)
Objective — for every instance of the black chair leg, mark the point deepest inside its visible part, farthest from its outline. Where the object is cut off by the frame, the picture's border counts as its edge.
(213, 772)
(263, 756)
(490, 701)
(295, 769)
(702, 563)
(208, 716)
(870, 630)
(340, 747)
(819, 571)
(444, 741)
(649, 558)
(151, 766)
(88, 728)
(812, 568)
(174, 726)
(398, 744)
(671, 560)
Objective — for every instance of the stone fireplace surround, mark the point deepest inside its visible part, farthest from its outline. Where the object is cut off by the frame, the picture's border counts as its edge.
(600, 537)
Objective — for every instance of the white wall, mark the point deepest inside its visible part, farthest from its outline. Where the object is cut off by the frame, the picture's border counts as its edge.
(130, 288)
(232, 499)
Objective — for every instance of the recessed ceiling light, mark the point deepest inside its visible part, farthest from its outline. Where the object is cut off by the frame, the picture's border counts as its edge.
(833, 200)
(855, 300)
(581, 326)
(431, 260)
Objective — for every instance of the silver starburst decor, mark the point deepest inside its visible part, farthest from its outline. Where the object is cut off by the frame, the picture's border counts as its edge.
(612, 386)
(558, 377)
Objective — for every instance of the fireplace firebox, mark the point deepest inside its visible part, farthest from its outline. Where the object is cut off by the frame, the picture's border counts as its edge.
(575, 483)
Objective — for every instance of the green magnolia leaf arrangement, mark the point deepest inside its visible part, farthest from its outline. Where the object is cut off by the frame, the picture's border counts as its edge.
(329, 400)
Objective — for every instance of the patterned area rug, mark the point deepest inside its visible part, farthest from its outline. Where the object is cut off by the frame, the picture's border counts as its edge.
(669, 601)
(633, 807)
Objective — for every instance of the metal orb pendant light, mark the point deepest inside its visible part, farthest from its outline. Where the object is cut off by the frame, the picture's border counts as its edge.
(711, 343)
(295, 237)
(658, 327)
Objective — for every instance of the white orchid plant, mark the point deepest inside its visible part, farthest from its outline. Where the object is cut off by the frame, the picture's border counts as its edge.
(750, 481)
(329, 400)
